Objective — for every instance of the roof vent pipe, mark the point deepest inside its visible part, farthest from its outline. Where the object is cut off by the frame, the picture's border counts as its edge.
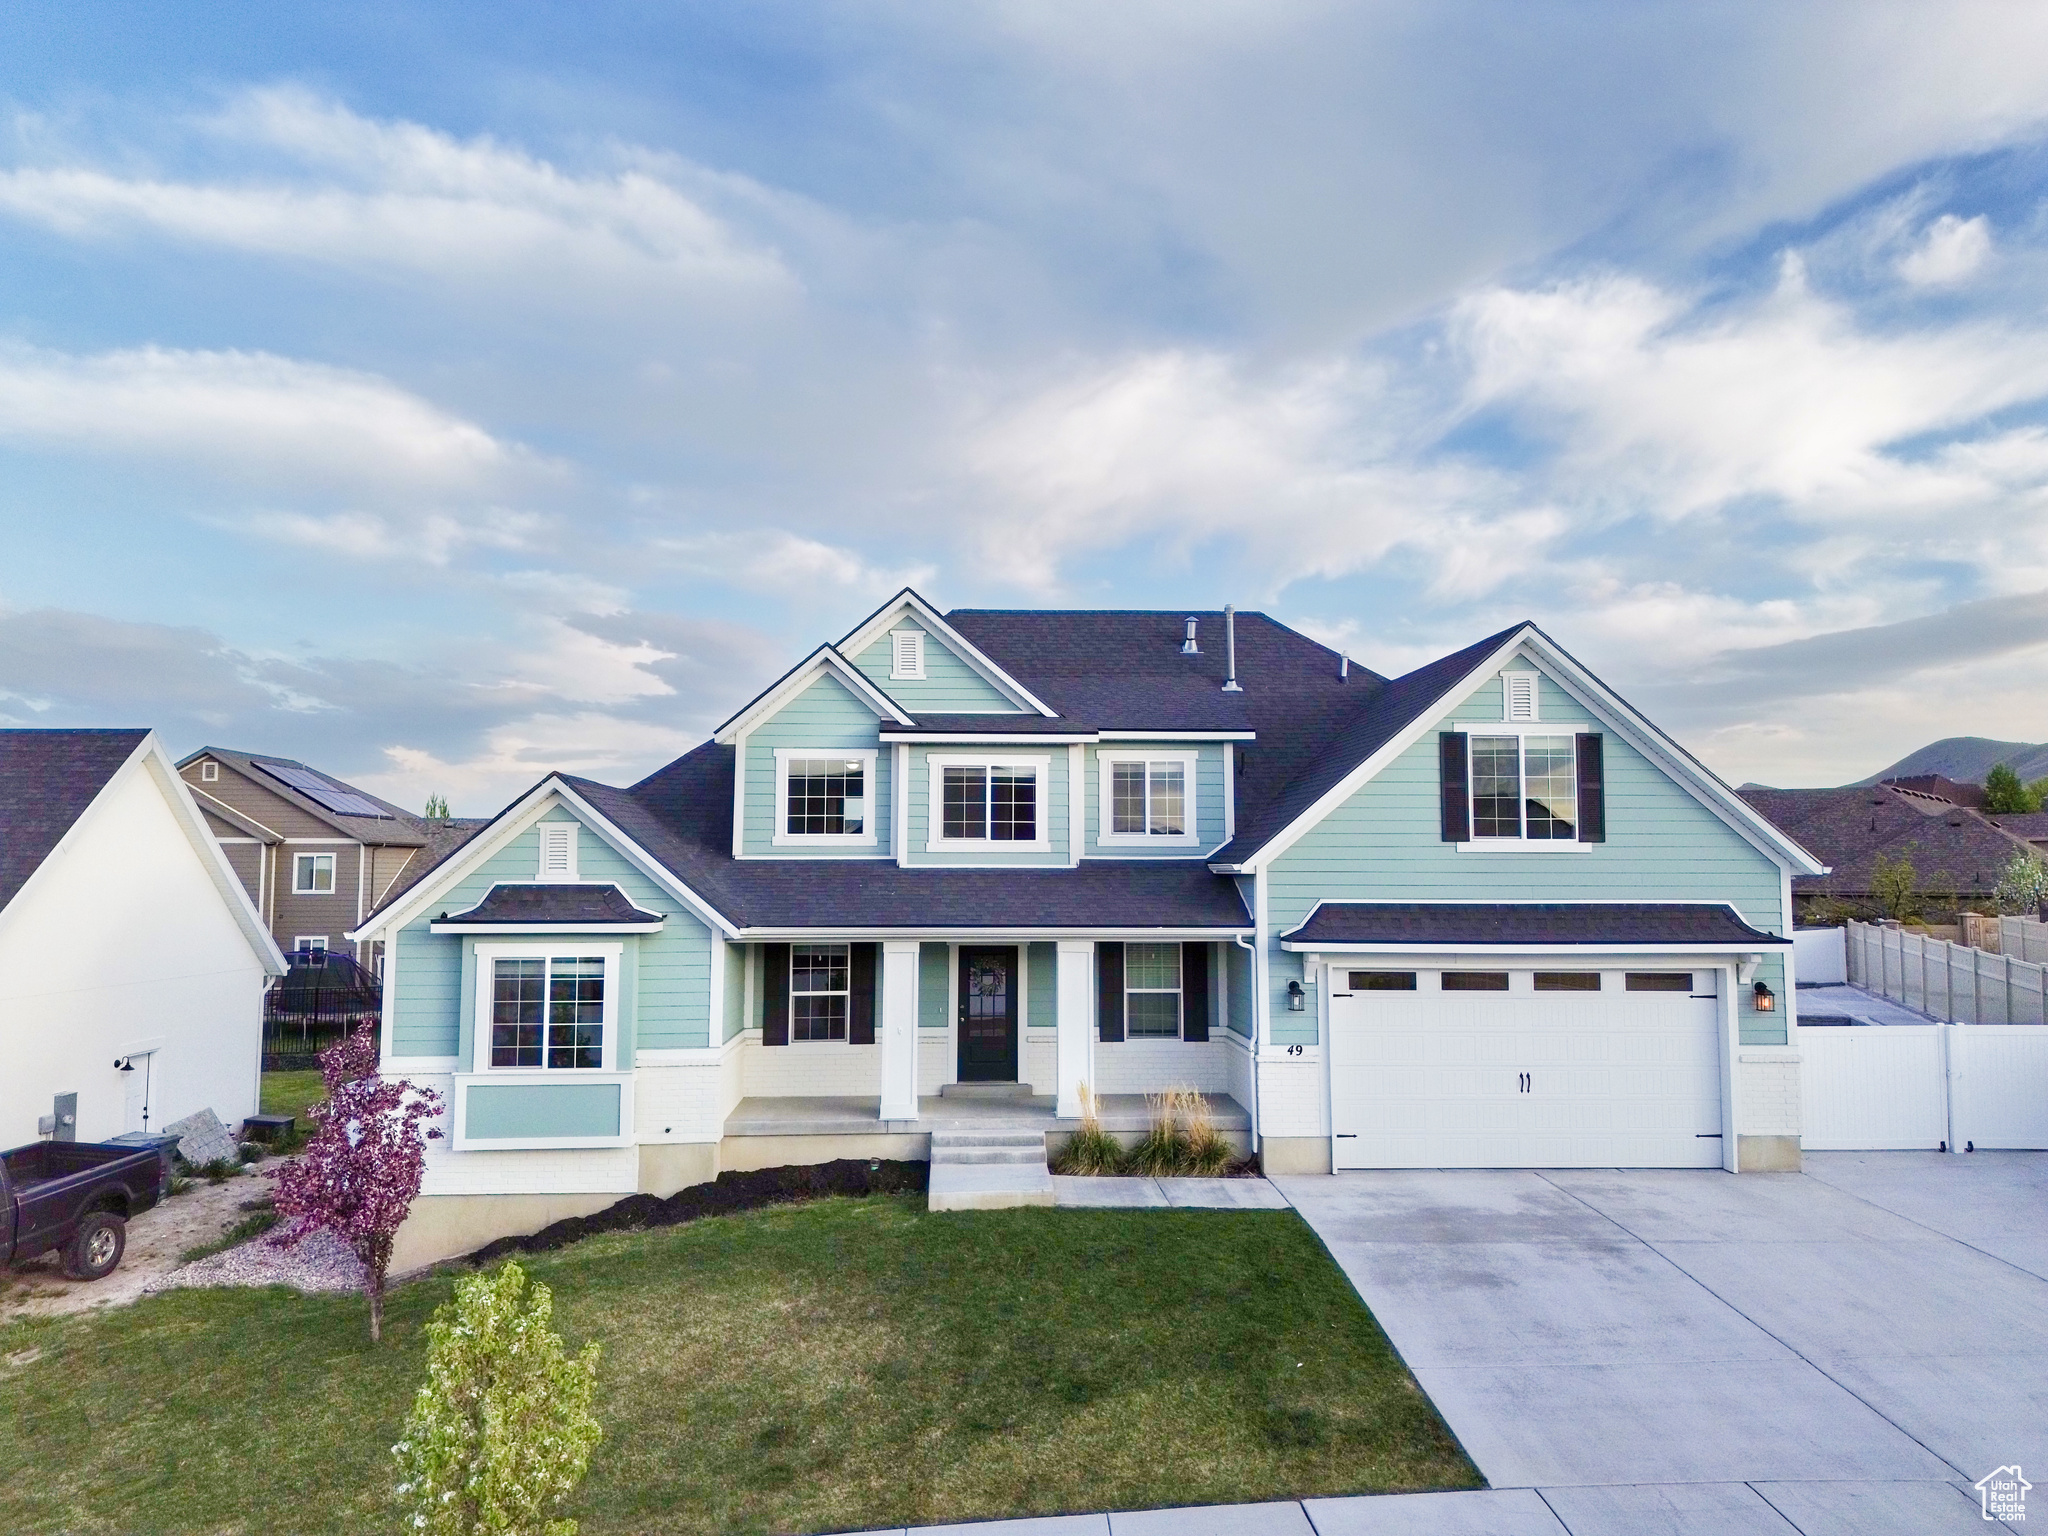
(1230, 647)
(1188, 646)
(1344, 667)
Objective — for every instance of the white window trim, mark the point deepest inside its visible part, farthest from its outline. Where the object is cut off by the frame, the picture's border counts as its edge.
(480, 1045)
(209, 772)
(1508, 680)
(566, 831)
(1105, 811)
(898, 673)
(781, 837)
(309, 861)
(938, 763)
(1525, 843)
(1180, 1003)
(309, 941)
(523, 1077)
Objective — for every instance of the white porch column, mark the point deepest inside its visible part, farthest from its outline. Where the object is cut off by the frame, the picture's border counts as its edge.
(1074, 967)
(899, 1029)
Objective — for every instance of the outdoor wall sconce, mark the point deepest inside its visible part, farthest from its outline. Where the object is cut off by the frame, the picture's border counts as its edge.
(1765, 999)
(1297, 1000)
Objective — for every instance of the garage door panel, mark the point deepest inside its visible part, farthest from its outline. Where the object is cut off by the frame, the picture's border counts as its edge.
(1613, 1079)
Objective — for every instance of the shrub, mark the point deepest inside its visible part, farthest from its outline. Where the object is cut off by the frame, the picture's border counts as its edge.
(501, 1433)
(1204, 1152)
(1090, 1149)
(1163, 1150)
(1895, 886)
(2022, 884)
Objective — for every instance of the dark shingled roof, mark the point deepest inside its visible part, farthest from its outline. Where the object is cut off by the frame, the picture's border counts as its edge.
(47, 779)
(554, 904)
(1850, 829)
(1590, 924)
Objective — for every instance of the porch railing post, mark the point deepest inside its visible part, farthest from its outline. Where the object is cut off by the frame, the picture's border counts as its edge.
(899, 1029)
(1074, 968)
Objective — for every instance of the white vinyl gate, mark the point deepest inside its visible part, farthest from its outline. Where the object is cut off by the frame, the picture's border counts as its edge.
(1901, 1087)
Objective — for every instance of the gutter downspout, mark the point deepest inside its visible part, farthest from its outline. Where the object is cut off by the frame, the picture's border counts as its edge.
(1253, 950)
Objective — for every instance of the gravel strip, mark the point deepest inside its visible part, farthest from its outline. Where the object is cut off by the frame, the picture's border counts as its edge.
(320, 1262)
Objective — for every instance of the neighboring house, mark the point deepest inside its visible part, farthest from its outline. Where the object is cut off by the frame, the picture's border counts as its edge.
(315, 854)
(1484, 914)
(132, 963)
(2031, 827)
(1952, 848)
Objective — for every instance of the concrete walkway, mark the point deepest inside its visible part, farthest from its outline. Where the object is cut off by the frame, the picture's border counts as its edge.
(1840, 1352)
(1820, 1003)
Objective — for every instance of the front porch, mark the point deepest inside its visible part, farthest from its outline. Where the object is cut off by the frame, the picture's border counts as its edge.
(1122, 1114)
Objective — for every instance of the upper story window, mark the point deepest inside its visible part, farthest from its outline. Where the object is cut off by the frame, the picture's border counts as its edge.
(1148, 799)
(823, 797)
(544, 1011)
(906, 655)
(312, 874)
(209, 771)
(557, 852)
(820, 993)
(996, 803)
(1524, 787)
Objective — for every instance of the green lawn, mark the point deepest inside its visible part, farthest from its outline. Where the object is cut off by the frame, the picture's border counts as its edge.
(288, 1093)
(841, 1365)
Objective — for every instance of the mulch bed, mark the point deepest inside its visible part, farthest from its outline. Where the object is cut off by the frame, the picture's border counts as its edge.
(727, 1194)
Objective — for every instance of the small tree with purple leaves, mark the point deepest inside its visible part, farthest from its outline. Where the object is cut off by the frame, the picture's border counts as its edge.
(362, 1167)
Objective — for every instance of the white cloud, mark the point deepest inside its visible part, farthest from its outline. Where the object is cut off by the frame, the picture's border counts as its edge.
(773, 560)
(1951, 250)
(409, 198)
(515, 755)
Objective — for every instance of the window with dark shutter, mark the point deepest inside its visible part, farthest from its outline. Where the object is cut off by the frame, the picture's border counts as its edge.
(1455, 782)
(1592, 789)
(1109, 991)
(1194, 991)
(775, 994)
(860, 1024)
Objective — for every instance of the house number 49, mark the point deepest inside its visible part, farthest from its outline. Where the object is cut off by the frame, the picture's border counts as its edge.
(1294, 1050)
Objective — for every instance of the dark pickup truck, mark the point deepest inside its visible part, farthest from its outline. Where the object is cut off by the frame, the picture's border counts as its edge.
(76, 1196)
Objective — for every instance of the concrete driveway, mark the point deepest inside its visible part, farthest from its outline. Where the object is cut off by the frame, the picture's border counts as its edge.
(1844, 1349)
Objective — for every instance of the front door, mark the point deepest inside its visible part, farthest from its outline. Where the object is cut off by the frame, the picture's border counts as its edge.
(988, 1013)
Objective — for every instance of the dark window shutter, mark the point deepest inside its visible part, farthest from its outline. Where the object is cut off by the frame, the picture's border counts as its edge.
(1592, 789)
(860, 1007)
(1456, 782)
(775, 994)
(1194, 991)
(1109, 990)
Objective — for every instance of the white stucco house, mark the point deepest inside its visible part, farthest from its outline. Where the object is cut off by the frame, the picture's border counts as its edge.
(132, 964)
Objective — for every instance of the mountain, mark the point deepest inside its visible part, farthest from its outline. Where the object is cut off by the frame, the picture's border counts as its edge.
(1968, 758)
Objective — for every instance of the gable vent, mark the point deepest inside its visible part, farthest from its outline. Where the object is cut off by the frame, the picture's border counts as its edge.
(557, 851)
(906, 654)
(1520, 692)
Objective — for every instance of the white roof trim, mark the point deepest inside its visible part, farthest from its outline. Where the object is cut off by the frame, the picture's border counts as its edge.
(865, 633)
(800, 676)
(1508, 951)
(513, 821)
(1676, 762)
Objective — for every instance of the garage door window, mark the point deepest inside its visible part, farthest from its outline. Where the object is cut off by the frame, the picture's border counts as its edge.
(1659, 981)
(1567, 981)
(1383, 981)
(1475, 981)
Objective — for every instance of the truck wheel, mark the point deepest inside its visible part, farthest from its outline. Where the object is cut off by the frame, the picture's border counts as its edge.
(96, 1247)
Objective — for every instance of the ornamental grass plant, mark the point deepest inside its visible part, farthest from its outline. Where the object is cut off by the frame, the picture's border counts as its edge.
(1091, 1149)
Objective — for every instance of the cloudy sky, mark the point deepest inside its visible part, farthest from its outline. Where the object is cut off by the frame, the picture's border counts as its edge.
(478, 390)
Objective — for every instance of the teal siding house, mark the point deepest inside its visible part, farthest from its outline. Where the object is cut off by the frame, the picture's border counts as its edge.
(1481, 915)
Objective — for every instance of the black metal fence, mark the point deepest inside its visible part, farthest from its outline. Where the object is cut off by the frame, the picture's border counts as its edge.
(322, 997)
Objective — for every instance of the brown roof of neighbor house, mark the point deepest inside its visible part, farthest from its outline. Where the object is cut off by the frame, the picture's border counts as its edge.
(2032, 825)
(1942, 787)
(380, 823)
(47, 779)
(1949, 846)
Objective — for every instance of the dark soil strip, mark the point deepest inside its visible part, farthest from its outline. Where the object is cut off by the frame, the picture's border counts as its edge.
(728, 1193)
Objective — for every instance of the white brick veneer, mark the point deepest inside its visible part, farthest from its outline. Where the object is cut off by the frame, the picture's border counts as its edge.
(1237, 1063)
(810, 1071)
(935, 1062)
(1150, 1066)
(1291, 1098)
(678, 1103)
(1039, 1061)
(1768, 1101)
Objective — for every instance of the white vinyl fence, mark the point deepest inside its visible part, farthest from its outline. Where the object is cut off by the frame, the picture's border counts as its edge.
(2024, 938)
(1935, 1086)
(1949, 981)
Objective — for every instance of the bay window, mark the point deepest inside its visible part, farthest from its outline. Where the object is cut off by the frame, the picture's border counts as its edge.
(547, 1008)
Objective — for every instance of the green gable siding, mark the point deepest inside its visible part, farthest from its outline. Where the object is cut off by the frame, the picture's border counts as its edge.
(533, 1111)
(735, 960)
(934, 985)
(1042, 994)
(826, 716)
(665, 981)
(1053, 809)
(949, 686)
(1237, 981)
(1384, 844)
(1208, 800)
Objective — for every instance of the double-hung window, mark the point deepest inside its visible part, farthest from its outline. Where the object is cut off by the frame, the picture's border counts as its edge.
(312, 874)
(993, 803)
(824, 797)
(1152, 991)
(549, 1010)
(1524, 788)
(819, 991)
(1148, 799)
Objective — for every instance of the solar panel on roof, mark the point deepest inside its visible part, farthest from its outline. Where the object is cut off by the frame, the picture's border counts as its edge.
(343, 802)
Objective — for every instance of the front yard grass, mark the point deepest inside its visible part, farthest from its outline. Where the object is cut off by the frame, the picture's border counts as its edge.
(836, 1366)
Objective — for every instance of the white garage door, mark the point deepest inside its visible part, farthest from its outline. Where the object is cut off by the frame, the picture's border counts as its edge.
(1525, 1069)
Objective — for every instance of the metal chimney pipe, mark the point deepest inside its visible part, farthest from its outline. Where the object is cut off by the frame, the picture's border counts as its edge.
(1188, 646)
(1230, 647)
(1344, 667)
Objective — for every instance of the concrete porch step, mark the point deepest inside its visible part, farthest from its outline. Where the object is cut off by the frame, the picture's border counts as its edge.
(962, 1157)
(1001, 1136)
(985, 1091)
(988, 1187)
